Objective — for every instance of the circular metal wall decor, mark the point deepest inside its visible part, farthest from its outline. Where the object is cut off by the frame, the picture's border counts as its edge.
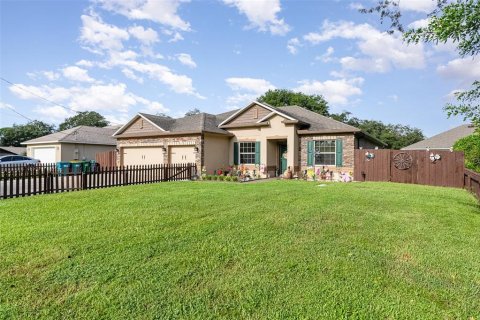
(402, 161)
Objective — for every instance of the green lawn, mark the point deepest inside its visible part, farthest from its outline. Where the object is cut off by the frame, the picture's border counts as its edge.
(273, 250)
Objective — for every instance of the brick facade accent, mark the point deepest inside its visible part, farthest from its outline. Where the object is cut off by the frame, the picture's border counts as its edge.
(196, 140)
(348, 151)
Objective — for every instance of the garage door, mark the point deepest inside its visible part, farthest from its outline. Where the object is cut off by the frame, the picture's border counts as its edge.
(182, 154)
(142, 155)
(45, 155)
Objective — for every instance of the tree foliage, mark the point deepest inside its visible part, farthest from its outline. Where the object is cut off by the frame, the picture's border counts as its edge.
(85, 118)
(396, 136)
(13, 136)
(470, 145)
(284, 97)
(456, 21)
(192, 112)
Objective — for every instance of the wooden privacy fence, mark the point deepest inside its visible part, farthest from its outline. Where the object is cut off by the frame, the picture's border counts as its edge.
(472, 182)
(106, 159)
(435, 168)
(31, 181)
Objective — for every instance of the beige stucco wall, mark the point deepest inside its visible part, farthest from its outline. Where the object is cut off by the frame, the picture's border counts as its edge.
(216, 150)
(58, 149)
(276, 131)
(85, 151)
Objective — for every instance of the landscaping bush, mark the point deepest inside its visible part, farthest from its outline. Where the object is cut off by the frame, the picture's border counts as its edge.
(470, 145)
(221, 178)
(235, 178)
(228, 178)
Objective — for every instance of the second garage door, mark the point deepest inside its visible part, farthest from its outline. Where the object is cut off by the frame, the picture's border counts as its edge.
(182, 154)
(45, 154)
(142, 155)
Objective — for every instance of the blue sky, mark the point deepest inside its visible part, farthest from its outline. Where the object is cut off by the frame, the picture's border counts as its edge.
(119, 57)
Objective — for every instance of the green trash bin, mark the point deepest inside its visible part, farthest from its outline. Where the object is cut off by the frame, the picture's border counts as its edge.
(93, 165)
(86, 166)
(77, 167)
(63, 167)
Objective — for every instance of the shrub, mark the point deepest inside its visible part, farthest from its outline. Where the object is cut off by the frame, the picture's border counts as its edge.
(208, 177)
(221, 178)
(228, 178)
(235, 178)
(470, 145)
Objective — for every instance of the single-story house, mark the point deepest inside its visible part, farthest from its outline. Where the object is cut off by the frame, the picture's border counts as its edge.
(259, 136)
(7, 151)
(444, 140)
(78, 143)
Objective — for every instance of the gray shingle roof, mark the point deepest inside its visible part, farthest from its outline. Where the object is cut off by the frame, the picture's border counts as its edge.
(80, 134)
(316, 121)
(163, 122)
(444, 140)
(14, 150)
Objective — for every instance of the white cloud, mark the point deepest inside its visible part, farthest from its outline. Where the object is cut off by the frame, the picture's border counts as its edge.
(163, 12)
(292, 45)
(154, 108)
(94, 97)
(85, 63)
(327, 56)
(336, 92)
(425, 6)
(54, 113)
(466, 69)
(262, 14)
(145, 36)
(380, 49)
(131, 75)
(75, 73)
(49, 75)
(422, 23)
(355, 6)
(98, 36)
(246, 90)
(186, 59)
(394, 97)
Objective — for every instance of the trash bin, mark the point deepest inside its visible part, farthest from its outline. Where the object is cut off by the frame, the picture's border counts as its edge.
(77, 167)
(63, 167)
(86, 166)
(93, 165)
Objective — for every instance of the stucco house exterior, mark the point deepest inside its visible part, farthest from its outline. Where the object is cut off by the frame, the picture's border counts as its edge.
(259, 136)
(78, 143)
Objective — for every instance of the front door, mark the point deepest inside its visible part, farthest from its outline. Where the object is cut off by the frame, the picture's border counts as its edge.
(282, 151)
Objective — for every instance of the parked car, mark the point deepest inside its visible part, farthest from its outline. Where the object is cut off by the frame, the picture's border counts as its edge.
(17, 160)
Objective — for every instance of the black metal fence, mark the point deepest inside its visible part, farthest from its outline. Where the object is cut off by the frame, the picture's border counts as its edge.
(26, 181)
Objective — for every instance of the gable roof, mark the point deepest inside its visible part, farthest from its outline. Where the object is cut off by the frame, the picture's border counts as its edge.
(80, 134)
(317, 123)
(444, 140)
(262, 104)
(196, 123)
(14, 150)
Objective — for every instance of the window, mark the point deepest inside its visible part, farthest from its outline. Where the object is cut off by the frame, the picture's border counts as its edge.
(247, 152)
(325, 152)
(255, 113)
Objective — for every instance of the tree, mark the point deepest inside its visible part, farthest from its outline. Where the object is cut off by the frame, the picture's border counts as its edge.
(85, 118)
(13, 136)
(396, 136)
(470, 145)
(284, 97)
(192, 112)
(451, 21)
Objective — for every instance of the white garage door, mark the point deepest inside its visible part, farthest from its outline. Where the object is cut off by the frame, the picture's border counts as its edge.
(142, 155)
(45, 155)
(182, 154)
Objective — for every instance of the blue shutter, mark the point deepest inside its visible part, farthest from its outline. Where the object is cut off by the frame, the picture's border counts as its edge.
(339, 152)
(257, 152)
(310, 153)
(235, 153)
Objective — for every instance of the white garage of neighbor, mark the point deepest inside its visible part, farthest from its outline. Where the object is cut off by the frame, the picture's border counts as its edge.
(44, 154)
(182, 154)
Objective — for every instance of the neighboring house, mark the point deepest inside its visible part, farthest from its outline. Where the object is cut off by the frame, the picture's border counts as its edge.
(444, 140)
(79, 143)
(6, 151)
(261, 137)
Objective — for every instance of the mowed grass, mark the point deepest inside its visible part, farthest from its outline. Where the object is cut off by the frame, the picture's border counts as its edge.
(273, 250)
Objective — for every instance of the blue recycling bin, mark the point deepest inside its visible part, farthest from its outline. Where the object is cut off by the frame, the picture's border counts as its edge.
(63, 167)
(77, 167)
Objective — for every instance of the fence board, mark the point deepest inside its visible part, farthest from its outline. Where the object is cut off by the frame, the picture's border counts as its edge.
(42, 180)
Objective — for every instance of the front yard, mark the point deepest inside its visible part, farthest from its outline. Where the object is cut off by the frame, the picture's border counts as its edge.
(283, 249)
